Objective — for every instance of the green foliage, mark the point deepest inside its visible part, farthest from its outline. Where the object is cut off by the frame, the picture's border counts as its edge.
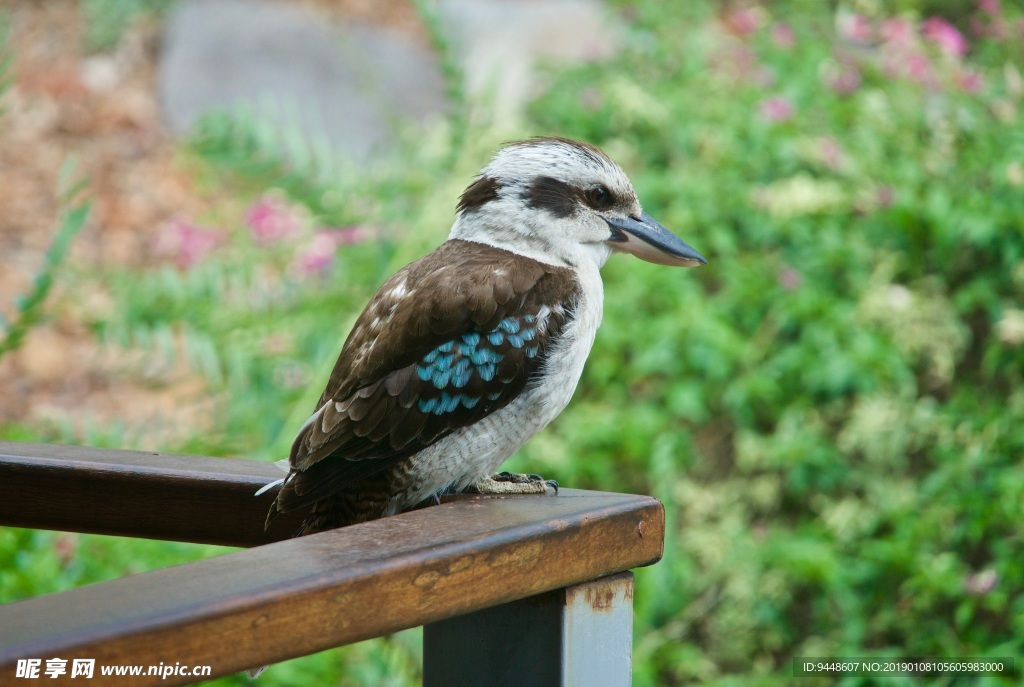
(29, 307)
(6, 58)
(107, 20)
(451, 71)
(74, 214)
(832, 410)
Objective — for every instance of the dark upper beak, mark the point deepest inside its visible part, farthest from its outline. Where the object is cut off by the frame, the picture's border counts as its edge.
(645, 238)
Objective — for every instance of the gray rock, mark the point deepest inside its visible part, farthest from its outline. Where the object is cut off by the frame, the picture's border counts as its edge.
(353, 87)
(499, 43)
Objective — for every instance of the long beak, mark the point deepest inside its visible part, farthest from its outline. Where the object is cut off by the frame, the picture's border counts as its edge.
(645, 238)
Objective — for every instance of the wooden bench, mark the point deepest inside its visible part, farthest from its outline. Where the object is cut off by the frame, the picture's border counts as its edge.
(522, 590)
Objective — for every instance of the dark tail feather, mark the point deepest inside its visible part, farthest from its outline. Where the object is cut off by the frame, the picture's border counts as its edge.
(339, 510)
(271, 516)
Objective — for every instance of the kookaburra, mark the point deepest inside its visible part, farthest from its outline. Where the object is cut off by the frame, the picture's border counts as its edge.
(462, 356)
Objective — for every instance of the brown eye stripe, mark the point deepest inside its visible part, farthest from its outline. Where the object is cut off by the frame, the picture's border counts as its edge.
(557, 197)
(479, 193)
(563, 200)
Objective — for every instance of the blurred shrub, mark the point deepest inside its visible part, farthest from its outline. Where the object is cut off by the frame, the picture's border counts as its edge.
(833, 409)
(74, 212)
(107, 20)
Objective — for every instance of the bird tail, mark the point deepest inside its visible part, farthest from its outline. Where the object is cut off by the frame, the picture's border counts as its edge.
(339, 510)
(345, 508)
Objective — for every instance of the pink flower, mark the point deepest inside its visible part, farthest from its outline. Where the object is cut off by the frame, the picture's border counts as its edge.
(897, 32)
(744, 22)
(345, 236)
(830, 152)
(911, 64)
(783, 36)
(65, 546)
(185, 242)
(740, 64)
(317, 255)
(945, 35)
(918, 67)
(855, 28)
(969, 81)
(844, 80)
(776, 109)
(981, 583)
(989, 7)
(885, 196)
(272, 218)
(789, 279)
(763, 77)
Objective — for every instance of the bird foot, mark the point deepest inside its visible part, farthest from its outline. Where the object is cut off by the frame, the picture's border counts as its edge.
(512, 483)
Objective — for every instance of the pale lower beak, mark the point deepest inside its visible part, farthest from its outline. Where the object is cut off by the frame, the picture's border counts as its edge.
(645, 238)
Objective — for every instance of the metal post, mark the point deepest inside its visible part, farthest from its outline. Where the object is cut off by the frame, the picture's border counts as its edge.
(579, 636)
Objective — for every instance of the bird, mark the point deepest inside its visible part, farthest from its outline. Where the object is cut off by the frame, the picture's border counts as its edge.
(465, 354)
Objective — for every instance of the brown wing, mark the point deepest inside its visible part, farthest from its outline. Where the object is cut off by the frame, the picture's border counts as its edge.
(445, 342)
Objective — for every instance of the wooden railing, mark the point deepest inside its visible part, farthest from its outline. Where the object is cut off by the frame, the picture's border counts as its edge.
(512, 591)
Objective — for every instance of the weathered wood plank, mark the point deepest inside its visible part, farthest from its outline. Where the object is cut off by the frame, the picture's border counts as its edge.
(303, 595)
(138, 494)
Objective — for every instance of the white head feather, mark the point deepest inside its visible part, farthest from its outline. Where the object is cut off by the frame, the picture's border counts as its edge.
(532, 200)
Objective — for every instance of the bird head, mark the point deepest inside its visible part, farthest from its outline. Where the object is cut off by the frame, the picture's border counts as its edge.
(563, 202)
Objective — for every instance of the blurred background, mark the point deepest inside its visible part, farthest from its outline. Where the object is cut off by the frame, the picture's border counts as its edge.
(198, 198)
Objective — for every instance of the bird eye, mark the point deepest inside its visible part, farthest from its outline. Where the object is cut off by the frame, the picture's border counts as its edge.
(599, 197)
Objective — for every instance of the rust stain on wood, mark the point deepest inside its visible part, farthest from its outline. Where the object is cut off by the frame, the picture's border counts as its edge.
(599, 595)
(599, 599)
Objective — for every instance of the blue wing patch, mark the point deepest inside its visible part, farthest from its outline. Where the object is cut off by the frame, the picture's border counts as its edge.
(452, 366)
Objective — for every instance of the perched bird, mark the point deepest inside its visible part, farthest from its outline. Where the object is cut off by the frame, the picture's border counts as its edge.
(462, 356)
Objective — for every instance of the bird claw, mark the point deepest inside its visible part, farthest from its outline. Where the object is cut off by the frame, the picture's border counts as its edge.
(513, 483)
